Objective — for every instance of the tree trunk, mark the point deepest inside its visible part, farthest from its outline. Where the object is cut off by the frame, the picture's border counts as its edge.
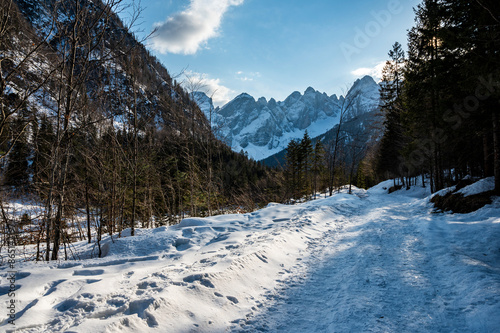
(496, 150)
(58, 222)
(488, 170)
(57, 229)
(135, 161)
(134, 199)
(87, 206)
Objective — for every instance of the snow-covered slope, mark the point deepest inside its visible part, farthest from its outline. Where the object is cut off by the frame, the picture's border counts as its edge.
(347, 263)
(204, 102)
(263, 128)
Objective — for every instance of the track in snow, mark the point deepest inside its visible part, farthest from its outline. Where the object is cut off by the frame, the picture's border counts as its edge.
(379, 274)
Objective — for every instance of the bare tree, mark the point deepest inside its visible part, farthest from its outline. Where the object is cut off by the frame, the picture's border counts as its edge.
(78, 43)
(356, 148)
(196, 86)
(20, 75)
(333, 149)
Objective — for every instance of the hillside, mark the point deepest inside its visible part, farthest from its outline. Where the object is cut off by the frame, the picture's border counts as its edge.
(95, 131)
(110, 64)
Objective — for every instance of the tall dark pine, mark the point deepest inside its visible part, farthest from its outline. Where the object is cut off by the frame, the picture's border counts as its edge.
(317, 165)
(306, 152)
(451, 92)
(43, 138)
(17, 173)
(292, 167)
(426, 81)
(391, 106)
(474, 29)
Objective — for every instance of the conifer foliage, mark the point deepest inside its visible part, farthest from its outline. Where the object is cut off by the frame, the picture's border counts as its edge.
(391, 106)
(443, 120)
(304, 167)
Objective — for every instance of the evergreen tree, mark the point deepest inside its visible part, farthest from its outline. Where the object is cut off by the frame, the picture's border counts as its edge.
(473, 34)
(17, 173)
(292, 167)
(43, 138)
(360, 176)
(426, 78)
(391, 106)
(450, 92)
(318, 166)
(306, 155)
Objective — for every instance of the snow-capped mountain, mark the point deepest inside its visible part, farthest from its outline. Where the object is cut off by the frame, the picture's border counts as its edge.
(262, 128)
(366, 96)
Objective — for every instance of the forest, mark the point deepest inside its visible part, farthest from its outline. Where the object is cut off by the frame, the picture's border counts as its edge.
(441, 98)
(98, 136)
(439, 106)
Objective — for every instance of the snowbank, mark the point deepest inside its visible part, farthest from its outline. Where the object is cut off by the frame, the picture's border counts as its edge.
(361, 262)
(483, 185)
(201, 274)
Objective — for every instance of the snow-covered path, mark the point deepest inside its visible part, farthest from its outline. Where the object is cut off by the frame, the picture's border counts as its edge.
(389, 270)
(369, 262)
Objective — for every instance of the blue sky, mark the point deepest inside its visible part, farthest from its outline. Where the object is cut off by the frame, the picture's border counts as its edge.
(271, 48)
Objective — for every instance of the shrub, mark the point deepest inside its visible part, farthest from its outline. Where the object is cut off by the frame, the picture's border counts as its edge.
(457, 203)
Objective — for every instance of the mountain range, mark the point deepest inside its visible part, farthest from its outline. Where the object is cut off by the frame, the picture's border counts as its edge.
(262, 128)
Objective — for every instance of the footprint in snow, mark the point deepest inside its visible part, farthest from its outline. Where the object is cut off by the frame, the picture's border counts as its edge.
(182, 244)
(233, 300)
(188, 232)
(52, 286)
(202, 278)
(88, 272)
(218, 238)
(147, 284)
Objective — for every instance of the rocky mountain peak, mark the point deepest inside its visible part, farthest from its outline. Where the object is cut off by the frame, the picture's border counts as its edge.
(262, 101)
(309, 90)
(263, 127)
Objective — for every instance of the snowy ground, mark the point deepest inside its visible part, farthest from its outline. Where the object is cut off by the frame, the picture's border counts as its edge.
(349, 263)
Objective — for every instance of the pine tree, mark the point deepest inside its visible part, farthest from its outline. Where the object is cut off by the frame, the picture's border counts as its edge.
(318, 166)
(391, 106)
(425, 81)
(43, 138)
(17, 173)
(306, 154)
(473, 33)
(292, 167)
(360, 176)
(450, 92)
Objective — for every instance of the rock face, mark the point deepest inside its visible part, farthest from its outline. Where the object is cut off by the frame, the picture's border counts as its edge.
(262, 128)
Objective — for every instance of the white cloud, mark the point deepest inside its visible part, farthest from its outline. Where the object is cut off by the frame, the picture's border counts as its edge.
(242, 76)
(185, 32)
(375, 71)
(212, 87)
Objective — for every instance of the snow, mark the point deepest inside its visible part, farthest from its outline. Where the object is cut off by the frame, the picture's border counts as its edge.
(316, 128)
(369, 261)
(262, 152)
(257, 122)
(263, 129)
(484, 185)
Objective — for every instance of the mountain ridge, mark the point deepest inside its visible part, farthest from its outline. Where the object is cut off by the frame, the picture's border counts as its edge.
(262, 128)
